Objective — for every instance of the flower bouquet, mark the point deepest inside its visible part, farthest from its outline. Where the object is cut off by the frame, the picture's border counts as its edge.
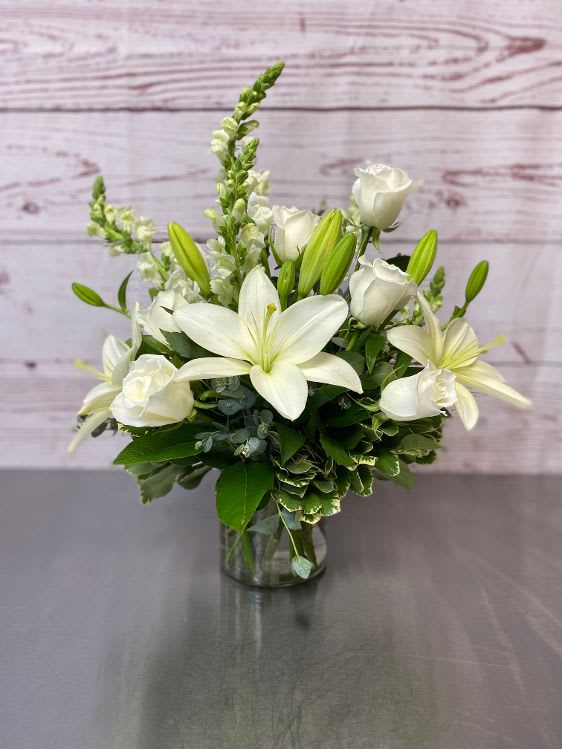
(282, 356)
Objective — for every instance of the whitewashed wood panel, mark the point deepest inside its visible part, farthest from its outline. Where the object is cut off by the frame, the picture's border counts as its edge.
(37, 412)
(492, 175)
(47, 325)
(137, 53)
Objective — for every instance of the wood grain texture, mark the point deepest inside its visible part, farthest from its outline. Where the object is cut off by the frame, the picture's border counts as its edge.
(492, 176)
(49, 326)
(415, 53)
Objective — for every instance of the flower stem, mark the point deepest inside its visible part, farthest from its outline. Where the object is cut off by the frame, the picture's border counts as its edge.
(363, 242)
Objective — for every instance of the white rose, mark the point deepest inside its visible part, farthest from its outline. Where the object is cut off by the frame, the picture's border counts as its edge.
(292, 231)
(423, 394)
(153, 394)
(156, 318)
(380, 192)
(377, 289)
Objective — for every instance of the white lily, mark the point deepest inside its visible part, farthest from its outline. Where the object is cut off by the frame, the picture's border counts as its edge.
(455, 350)
(116, 357)
(279, 350)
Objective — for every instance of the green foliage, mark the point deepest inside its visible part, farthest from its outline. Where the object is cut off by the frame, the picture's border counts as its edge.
(289, 441)
(161, 445)
(122, 291)
(301, 566)
(239, 491)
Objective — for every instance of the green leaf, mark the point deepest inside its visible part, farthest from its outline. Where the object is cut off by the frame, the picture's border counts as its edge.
(361, 481)
(150, 345)
(301, 566)
(402, 363)
(290, 441)
(239, 490)
(323, 395)
(405, 478)
(336, 451)
(160, 483)
(373, 346)
(388, 463)
(416, 444)
(122, 293)
(377, 377)
(185, 347)
(159, 446)
(352, 415)
(354, 358)
(267, 526)
(87, 295)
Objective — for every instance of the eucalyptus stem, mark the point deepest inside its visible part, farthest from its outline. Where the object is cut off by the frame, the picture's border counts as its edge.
(288, 530)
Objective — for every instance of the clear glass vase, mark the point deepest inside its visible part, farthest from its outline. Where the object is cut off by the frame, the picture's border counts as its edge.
(265, 559)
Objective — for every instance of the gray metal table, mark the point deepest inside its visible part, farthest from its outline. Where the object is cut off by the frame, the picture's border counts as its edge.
(438, 624)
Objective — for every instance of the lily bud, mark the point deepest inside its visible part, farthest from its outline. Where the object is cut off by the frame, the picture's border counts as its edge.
(476, 280)
(338, 264)
(318, 249)
(286, 281)
(423, 257)
(189, 257)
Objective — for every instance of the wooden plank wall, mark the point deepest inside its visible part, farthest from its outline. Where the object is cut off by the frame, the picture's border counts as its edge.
(466, 95)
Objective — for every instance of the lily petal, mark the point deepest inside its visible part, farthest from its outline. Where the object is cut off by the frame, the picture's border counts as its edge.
(332, 370)
(483, 368)
(209, 367)
(304, 328)
(460, 345)
(256, 294)
(98, 397)
(480, 380)
(113, 350)
(433, 329)
(87, 427)
(284, 387)
(413, 341)
(215, 328)
(466, 406)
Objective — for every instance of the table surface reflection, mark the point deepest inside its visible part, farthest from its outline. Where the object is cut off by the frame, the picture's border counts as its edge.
(438, 623)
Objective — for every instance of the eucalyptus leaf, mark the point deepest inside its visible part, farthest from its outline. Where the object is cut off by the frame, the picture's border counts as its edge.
(301, 566)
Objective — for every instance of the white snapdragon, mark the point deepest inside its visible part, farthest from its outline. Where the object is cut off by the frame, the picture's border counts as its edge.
(377, 289)
(380, 192)
(258, 182)
(260, 211)
(154, 393)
